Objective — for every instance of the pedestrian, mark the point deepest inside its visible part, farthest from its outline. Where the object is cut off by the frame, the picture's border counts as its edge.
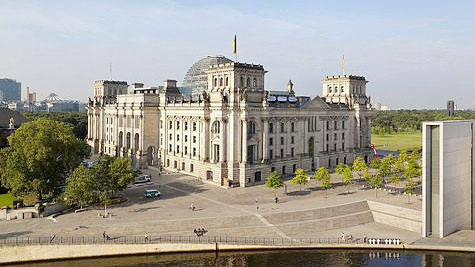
(364, 238)
(276, 200)
(192, 207)
(104, 235)
(342, 236)
(146, 237)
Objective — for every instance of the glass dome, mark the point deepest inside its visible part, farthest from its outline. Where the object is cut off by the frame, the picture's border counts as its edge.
(196, 77)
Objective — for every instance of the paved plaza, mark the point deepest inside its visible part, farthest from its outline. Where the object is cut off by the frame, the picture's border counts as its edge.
(233, 212)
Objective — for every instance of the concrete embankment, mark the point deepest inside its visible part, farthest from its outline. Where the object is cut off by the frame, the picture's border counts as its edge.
(34, 253)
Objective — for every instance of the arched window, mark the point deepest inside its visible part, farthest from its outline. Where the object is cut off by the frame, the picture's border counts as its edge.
(342, 89)
(220, 81)
(216, 127)
(136, 142)
(329, 89)
(215, 82)
(128, 140)
(254, 82)
(227, 81)
(251, 129)
(248, 82)
(121, 139)
(241, 82)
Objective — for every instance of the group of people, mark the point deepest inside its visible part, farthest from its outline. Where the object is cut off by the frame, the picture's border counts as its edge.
(106, 236)
(346, 237)
(200, 231)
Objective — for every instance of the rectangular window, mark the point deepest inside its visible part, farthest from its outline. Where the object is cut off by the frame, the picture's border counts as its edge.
(281, 141)
(271, 127)
(342, 146)
(292, 126)
(186, 138)
(335, 125)
(292, 140)
(178, 125)
(168, 163)
(335, 137)
(328, 125)
(292, 151)
(344, 160)
(281, 153)
(178, 137)
(186, 150)
(171, 136)
(342, 136)
(191, 168)
(175, 164)
(194, 151)
(271, 154)
(183, 166)
(161, 124)
(328, 137)
(282, 127)
(194, 139)
(294, 168)
(170, 125)
(334, 146)
(186, 125)
(216, 152)
(194, 126)
(272, 169)
(177, 149)
(343, 124)
(170, 148)
(326, 148)
(271, 141)
(283, 169)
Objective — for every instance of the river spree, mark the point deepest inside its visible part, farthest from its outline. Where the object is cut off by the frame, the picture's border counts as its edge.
(283, 258)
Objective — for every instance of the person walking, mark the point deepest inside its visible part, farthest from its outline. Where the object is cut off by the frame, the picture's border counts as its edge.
(146, 237)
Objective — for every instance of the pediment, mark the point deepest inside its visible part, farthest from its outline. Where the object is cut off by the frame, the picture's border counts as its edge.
(316, 103)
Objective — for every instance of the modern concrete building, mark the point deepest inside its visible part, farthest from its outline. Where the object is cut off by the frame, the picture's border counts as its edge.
(11, 90)
(229, 130)
(448, 185)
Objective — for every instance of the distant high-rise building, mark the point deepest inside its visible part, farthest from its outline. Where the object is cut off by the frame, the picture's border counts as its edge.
(11, 90)
(451, 108)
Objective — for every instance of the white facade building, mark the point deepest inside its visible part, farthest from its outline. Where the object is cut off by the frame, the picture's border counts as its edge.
(234, 132)
(448, 185)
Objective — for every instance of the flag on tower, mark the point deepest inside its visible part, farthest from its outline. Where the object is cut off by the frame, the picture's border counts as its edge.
(343, 64)
(235, 45)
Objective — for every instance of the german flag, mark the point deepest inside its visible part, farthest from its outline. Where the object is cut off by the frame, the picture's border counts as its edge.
(235, 45)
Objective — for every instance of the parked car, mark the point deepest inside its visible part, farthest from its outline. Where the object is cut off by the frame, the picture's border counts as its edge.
(150, 193)
(143, 179)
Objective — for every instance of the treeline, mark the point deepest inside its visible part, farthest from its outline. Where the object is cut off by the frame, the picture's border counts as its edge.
(77, 120)
(396, 121)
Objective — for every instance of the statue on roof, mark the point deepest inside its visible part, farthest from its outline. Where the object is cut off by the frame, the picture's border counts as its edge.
(290, 87)
(11, 124)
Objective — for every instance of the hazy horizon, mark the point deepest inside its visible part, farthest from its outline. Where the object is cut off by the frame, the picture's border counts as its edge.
(414, 54)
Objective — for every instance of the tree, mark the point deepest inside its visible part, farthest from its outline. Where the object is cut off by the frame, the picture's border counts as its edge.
(41, 154)
(395, 179)
(374, 164)
(410, 185)
(359, 165)
(274, 182)
(300, 178)
(322, 173)
(347, 177)
(80, 187)
(340, 168)
(385, 167)
(112, 175)
(376, 181)
(325, 183)
(365, 174)
(411, 171)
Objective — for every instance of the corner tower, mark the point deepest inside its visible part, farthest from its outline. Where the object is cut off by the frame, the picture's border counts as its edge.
(345, 89)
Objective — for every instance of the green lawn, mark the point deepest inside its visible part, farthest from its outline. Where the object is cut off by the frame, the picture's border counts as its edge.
(6, 200)
(400, 141)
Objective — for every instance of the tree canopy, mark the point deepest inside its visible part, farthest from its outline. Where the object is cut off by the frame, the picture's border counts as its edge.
(300, 177)
(77, 120)
(274, 182)
(80, 187)
(40, 155)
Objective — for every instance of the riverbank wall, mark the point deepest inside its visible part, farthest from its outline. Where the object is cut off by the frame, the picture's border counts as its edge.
(37, 253)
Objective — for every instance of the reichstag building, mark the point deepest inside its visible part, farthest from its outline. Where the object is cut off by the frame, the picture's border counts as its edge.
(223, 126)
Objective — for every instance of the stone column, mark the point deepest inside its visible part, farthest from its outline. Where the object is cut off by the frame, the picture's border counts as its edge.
(222, 138)
(206, 143)
(244, 141)
(265, 139)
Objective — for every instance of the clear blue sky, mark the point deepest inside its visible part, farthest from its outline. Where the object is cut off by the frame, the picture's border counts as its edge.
(415, 54)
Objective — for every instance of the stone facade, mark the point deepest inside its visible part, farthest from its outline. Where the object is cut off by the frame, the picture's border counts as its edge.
(235, 132)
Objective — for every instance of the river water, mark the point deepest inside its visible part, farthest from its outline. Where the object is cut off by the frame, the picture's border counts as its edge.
(282, 258)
